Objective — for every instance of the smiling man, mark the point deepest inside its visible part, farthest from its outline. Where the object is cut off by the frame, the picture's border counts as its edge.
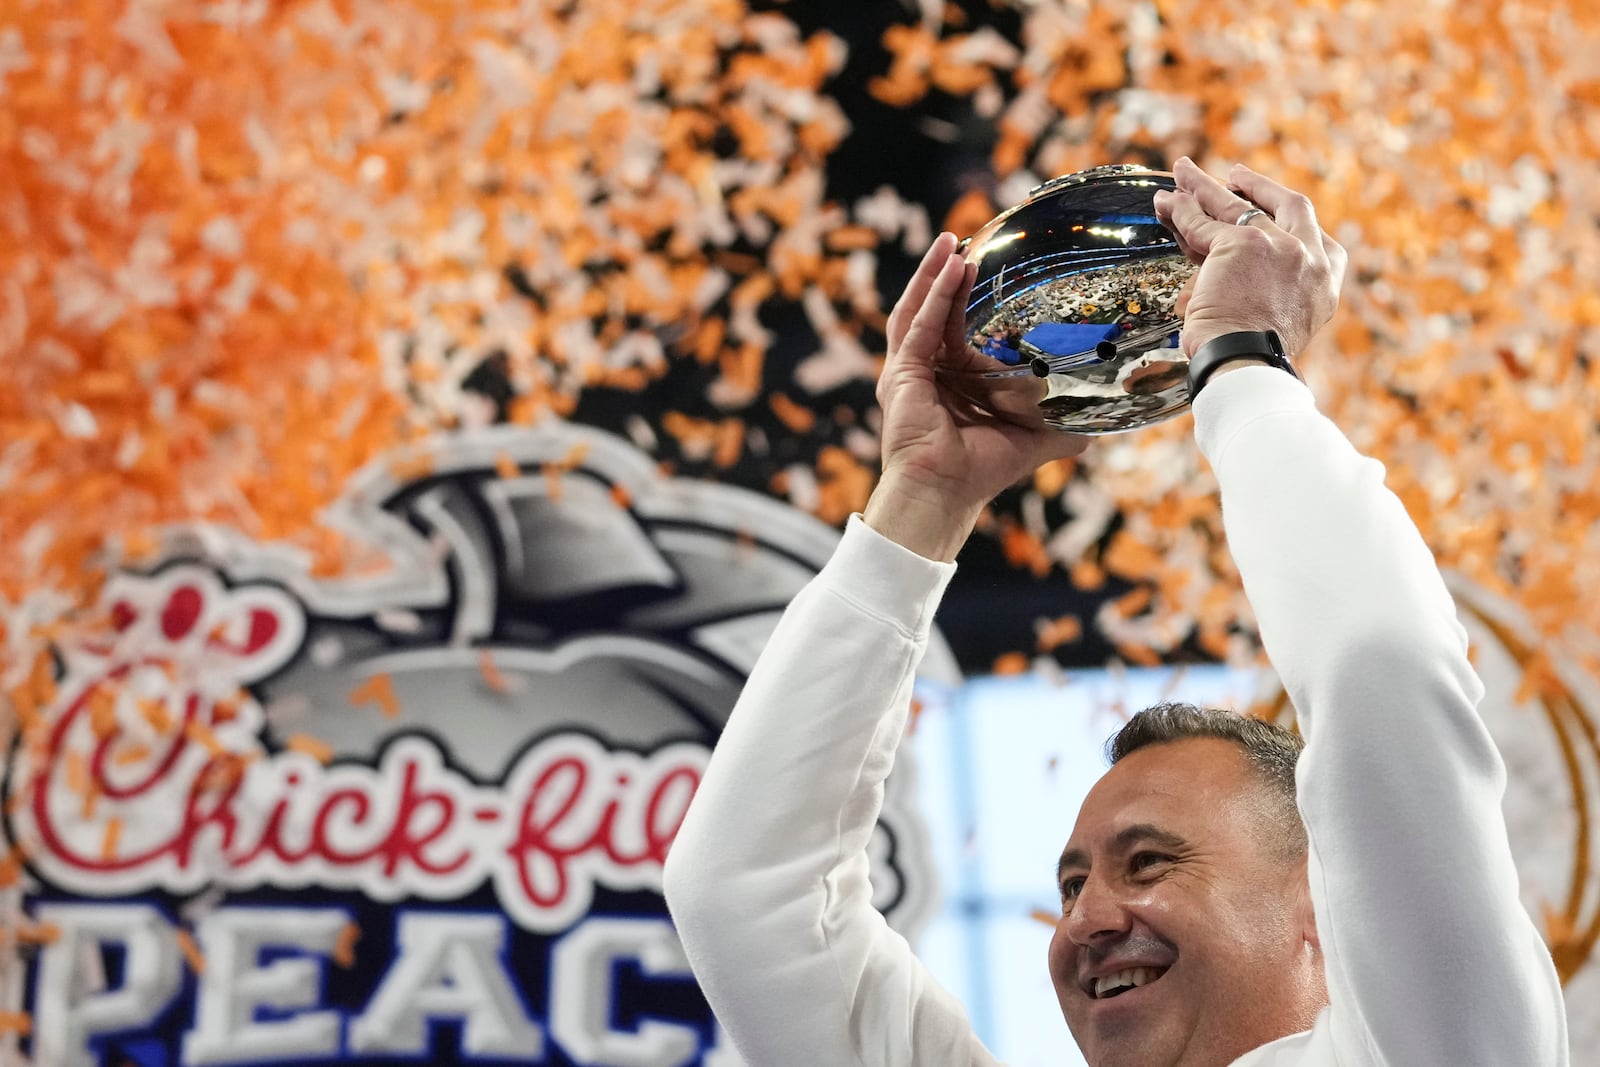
(1226, 897)
(1187, 932)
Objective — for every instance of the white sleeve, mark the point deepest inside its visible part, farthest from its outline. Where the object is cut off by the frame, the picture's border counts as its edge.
(767, 880)
(1431, 958)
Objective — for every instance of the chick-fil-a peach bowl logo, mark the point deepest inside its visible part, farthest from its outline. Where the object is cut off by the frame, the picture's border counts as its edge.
(414, 815)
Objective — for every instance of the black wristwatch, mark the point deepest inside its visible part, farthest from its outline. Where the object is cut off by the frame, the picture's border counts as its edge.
(1230, 348)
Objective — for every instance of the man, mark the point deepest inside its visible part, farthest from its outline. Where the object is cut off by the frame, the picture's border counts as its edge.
(1203, 923)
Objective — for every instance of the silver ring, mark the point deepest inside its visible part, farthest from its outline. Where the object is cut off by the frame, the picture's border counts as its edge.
(1244, 220)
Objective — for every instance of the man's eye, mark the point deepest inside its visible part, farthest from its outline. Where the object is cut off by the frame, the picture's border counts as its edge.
(1071, 888)
(1145, 860)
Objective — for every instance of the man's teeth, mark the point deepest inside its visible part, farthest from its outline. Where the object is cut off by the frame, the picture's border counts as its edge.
(1131, 978)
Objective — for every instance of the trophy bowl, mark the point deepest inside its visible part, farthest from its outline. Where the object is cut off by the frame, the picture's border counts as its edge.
(1073, 321)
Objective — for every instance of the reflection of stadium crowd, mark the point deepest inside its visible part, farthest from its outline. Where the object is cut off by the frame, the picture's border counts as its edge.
(1064, 318)
(1133, 296)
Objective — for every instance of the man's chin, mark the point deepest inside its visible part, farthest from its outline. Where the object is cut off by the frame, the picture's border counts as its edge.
(1131, 1053)
(1128, 1041)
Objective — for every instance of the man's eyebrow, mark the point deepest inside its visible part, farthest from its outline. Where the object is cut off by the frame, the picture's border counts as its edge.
(1127, 837)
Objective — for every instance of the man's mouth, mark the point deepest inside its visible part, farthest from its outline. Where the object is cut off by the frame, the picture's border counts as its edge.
(1123, 981)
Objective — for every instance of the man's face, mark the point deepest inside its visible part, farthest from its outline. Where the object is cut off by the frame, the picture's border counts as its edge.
(1185, 938)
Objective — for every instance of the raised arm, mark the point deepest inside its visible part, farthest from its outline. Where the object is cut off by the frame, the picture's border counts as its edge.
(767, 880)
(1430, 957)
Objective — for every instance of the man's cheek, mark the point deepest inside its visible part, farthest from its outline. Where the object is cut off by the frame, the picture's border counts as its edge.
(1062, 960)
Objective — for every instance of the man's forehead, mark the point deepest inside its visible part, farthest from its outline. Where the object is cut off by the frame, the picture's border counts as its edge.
(1171, 792)
(1172, 773)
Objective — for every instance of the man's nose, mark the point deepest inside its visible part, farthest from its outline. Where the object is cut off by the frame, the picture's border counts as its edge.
(1097, 914)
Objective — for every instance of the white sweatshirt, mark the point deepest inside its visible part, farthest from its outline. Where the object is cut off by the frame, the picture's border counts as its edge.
(1431, 959)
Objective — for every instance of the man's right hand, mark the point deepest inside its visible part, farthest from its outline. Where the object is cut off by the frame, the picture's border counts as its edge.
(943, 459)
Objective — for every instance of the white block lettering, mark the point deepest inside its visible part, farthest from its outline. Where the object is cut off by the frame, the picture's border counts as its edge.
(582, 982)
(234, 986)
(449, 966)
(67, 1011)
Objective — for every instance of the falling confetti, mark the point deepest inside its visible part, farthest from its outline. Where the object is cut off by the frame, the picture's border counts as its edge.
(379, 690)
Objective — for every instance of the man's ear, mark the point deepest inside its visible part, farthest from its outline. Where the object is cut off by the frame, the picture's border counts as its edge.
(1305, 913)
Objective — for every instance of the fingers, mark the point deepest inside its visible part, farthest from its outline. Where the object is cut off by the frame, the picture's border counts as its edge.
(1291, 210)
(917, 289)
(1217, 199)
(1197, 230)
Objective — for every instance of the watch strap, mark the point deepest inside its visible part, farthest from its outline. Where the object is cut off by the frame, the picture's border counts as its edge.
(1263, 345)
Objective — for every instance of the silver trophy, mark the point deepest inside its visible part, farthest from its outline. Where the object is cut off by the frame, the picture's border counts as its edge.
(1073, 323)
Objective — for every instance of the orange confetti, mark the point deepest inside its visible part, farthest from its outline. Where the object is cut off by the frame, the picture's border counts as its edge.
(38, 934)
(1058, 632)
(16, 1022)
(139, 546)
(852, 238)
(191, 952)
(1088, 575)
(113, 835)
(552, 482)
(307, 745)
(1214, 641)
(1142, 655)
(1129, 557)
(491, 673)
(1010, 663)
(344, 949)
(103, 711)
(797, 418)
(620, 495)
(224, 711)
(377, 689)
(1024, 549)
(730, 442)
(221, 775)
(505, 466)
(968, 215)
(917, 708)
(412, 466)
(1133, 602)
(201, 734)
(156, 714)
(1052, 477)
(526, 410)
(11, 867)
